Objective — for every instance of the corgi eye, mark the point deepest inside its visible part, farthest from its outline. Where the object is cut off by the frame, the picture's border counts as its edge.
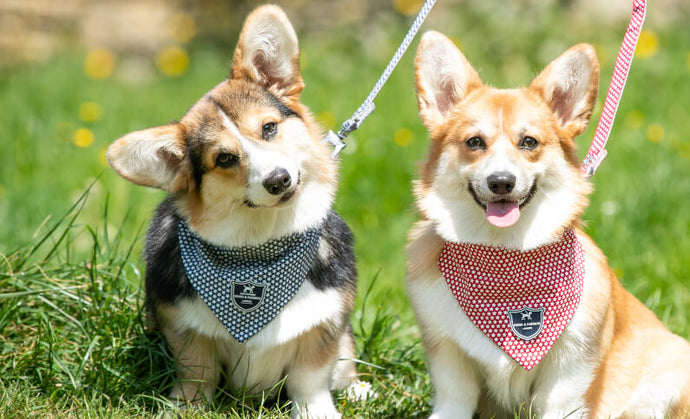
(226, 160)
(528, 143)
(269, 130)
(475, 143)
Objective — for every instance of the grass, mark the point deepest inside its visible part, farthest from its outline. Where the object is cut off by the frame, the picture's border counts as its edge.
(71, 330)
(74, 341)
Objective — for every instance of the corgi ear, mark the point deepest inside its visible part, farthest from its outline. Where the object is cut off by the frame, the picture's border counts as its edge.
(443, 77)
(151, 157)
(268, 53)
(569, 85)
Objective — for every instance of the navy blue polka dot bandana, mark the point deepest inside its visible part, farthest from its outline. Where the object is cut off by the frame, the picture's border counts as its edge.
(246, 287)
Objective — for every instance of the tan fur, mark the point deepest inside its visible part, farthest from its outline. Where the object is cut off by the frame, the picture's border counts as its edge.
(197, 364)
(640, 349)
(169, 138)
(615, 358)
(245, 66)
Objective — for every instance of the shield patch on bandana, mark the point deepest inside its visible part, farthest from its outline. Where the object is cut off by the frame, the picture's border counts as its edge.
(248, 295)
(526, 323)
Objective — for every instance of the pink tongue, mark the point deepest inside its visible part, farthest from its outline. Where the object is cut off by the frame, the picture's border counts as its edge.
(502, 213)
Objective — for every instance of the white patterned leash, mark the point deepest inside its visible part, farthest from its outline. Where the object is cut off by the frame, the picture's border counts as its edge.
(368, 106)
(597, 151)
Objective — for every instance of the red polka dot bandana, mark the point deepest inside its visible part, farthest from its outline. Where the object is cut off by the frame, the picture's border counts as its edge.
(521, 300)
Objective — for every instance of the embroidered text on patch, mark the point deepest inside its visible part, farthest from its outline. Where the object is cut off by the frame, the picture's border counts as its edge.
(246, 287)
(521, 300)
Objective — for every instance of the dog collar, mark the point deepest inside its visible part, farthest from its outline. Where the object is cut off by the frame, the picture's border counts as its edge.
(521, 300)
(246, 287)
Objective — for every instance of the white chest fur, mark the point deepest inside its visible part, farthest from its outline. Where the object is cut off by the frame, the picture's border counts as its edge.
(555, 386)
(260, 362)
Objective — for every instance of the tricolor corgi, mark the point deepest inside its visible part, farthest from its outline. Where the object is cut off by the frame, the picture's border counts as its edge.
(250, 275)
(519, 311)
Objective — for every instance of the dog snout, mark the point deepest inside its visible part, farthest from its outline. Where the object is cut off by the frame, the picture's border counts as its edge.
(277, 181)
(501, 183)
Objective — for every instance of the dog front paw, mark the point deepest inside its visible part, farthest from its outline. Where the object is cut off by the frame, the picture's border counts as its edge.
(451, 411)
(315, 411)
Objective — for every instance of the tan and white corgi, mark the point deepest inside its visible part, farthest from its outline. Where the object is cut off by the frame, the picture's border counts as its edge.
(518, 308)
(250, 275)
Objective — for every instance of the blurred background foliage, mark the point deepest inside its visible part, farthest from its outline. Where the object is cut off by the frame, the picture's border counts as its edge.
(77, 74)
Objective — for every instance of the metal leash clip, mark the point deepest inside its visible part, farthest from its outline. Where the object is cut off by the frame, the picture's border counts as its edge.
(336, 141)
(348, 126)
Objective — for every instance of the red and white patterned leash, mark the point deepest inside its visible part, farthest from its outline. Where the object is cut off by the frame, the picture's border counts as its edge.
(597, 151)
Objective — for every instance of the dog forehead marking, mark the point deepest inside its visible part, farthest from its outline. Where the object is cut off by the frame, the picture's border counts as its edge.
(231, 126)
(246, 144)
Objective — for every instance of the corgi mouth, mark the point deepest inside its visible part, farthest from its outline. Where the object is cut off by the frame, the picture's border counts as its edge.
(504, 212)
(287, 196)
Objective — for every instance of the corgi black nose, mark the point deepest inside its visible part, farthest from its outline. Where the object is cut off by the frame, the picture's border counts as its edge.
(277, 181)
(501, 183)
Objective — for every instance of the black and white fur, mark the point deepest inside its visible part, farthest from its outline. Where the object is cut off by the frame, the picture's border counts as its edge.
(270, 355)
(244, 166)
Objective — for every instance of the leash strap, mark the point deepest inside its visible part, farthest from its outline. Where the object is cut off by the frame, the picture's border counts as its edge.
(597, 151)
(368, 106)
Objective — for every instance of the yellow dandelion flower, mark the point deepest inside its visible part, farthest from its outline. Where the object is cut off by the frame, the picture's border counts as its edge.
(403, 137)
(90, 112)
(326, 119)
(647, 45)
(99, 63)
(634, 120)
(407, 7)
(173, 61)
(83, 137)
(655, 133)
(687, 61)
(182, 27)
